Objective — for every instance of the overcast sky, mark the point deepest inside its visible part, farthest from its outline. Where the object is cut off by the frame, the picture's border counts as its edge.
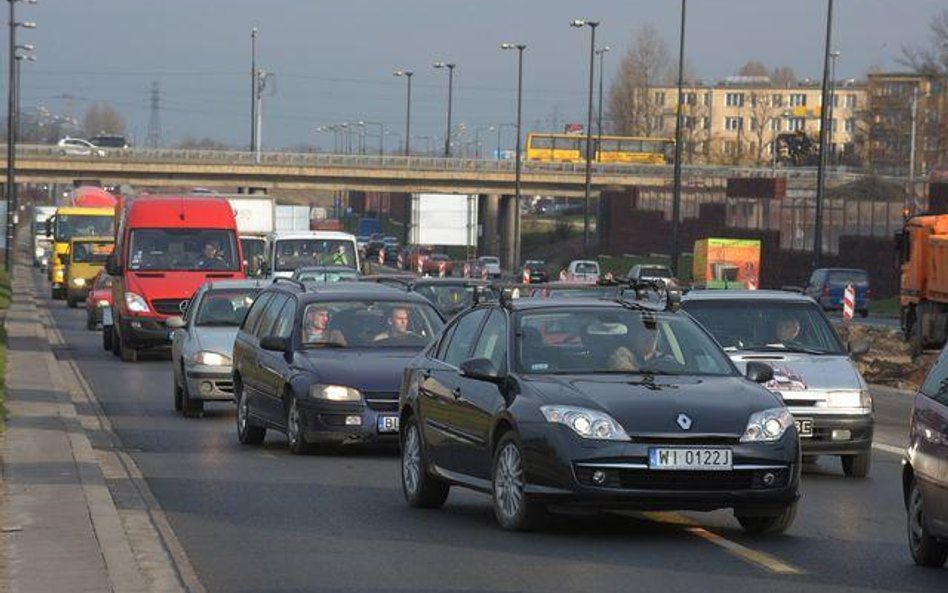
(333, 61)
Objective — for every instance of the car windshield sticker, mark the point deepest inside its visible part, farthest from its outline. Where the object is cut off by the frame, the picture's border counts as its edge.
(540, 366)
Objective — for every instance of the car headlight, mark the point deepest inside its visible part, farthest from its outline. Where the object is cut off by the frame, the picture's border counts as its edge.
(212, 359)
(849, 399)
(335, 393)
(135, 303)
(767, 426)
(79, 282)
(102, 303)
(60, 273)
(588, 424)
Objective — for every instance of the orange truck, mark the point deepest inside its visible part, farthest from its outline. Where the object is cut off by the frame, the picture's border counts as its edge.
(726, 263)
(923, 287)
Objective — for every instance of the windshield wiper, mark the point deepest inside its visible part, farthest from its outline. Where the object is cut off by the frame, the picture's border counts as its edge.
(783, 348)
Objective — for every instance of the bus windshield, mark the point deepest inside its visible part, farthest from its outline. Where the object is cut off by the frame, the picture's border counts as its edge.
(88, 252)
(84, 225)
(294, 253)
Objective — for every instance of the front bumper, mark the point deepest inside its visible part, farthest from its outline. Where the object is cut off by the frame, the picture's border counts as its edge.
(210, 383)
(560, 470)
(145, 332)
(326, 422)
(860, 429)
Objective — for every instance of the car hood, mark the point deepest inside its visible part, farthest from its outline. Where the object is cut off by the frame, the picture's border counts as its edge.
(377, 370)
(800, 378)
(215, 339)
(651, 406)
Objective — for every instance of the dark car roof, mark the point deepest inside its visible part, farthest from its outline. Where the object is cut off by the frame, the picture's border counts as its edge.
(327, 268)
(344, 291)
(745, 295)
(538, 303)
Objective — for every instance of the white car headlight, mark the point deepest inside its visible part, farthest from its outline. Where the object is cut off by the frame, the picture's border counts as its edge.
(849, 399)
(212, 359)
(102, 303)
(767, 426)
(588, 424)
(336, 393)
(80, 282)
(135, 303)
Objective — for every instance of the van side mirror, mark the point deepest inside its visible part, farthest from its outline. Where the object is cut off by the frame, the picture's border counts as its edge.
(175, 322)
(759, 372)
(49, 227)
(112, 267)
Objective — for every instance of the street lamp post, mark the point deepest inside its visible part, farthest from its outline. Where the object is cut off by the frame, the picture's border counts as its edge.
(20, 58)
(450, 67)
(407, 74)
(821, 169)
(11, 136)
(676, 187)
(500, 128)
(516, 239)
(834, 55)
(601, 52)
(477, 139)
(589, 114)
(381, 133)
(253, 89)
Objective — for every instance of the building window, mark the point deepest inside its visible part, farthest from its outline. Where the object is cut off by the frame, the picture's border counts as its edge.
(851, 101)
(796, 124)
(707, 99)
(774, 124)
(798, 100)
(734, 99)
(851, 125)
(690, 99)
(835, 100)
(707, 123)
(733, 123)
(776, 100)
(660, 98)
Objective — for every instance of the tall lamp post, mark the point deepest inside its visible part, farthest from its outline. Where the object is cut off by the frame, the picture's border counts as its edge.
(516, 238)
(253, 89)
(601, 52)
(407, 74)
(20, 58)
(381, 133)
(450, 67)
(589, 117)
(834, 55)
(11, 136)
(676, 188)
(821, 169)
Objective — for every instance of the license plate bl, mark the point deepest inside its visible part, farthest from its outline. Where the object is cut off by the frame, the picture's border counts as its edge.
(388, 424)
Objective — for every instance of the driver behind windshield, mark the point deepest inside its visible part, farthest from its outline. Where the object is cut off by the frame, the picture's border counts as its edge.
(788, 329)
(398, 320)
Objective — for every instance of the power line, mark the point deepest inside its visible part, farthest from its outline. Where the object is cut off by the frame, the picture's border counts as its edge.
(153, 139)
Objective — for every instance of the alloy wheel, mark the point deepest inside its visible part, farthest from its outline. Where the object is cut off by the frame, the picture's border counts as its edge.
(411, 460)
(508, 481)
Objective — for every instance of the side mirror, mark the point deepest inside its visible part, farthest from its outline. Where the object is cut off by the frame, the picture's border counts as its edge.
(175, 322)
(858, 347)
(112, 268)
(759, 372)
(275, 344)
(481, 369)
(49, 227)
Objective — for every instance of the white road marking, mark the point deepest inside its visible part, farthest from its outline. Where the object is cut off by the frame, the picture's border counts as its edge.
(889, 448)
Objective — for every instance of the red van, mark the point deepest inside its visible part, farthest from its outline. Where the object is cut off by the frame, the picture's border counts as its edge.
(165, 248)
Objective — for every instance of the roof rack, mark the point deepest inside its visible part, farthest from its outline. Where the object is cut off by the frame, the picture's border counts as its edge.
(292, 281)
(668, 294)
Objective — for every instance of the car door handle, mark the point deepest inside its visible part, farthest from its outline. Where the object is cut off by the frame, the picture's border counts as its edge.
(456, 393)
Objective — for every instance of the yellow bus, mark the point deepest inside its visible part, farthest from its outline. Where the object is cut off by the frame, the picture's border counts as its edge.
(569, 148)
(69, 222)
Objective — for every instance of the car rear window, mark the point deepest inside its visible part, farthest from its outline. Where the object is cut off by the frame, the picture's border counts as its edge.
(842, 278)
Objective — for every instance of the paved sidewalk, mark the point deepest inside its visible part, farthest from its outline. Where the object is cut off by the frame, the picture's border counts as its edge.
(60, 528)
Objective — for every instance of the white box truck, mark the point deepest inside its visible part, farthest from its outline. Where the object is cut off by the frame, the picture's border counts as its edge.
(256, 217)
(42, 245)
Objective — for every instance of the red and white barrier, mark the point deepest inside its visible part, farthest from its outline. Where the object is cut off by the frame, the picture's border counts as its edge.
(526, 276)
(849, 302)
(467, 270)
(442, 266)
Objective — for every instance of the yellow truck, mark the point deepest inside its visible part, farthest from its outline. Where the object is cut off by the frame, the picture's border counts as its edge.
(69, 222)
(87, 256)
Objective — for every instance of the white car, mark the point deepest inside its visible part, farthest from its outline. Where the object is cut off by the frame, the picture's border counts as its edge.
(491, 264)
(583, 270)
(78, 147)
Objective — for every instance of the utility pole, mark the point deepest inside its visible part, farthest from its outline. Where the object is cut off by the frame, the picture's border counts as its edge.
(821, 170)
(153, 138)
(676, 189)
(253, 89)
(912, 147)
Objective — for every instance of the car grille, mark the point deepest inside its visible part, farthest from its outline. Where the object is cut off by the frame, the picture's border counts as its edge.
(645, 479)
(225, 386)
(170, 306)
(382, 401)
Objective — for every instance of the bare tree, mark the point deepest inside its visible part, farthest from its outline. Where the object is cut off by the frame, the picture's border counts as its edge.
(933, 59)
(634, 107)
(783, 77)
(762, 112)
(102, 118)
(753, 68)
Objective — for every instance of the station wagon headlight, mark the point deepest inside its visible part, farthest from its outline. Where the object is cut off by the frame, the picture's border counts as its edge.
(135, 303)
(849, 399)
(588, 424)
(212, 359)
(335, 393)
(767, 426)
(80, 282)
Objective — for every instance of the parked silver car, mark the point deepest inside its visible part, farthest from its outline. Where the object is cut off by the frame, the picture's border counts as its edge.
(203, 343)
(813, 371)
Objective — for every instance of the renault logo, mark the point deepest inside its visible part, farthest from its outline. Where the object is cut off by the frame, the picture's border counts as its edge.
(684, 421)
(183, 305)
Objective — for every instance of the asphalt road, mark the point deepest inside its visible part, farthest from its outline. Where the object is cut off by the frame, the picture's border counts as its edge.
(263, 520)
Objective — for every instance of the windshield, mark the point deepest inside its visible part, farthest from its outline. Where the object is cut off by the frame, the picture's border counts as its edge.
(448, 299)
(844, 277)
(749, 325)
(293, 253)
(328, 275)
(88, 252)
(655, 272)
(225, 307)
(183, 249)
(587, 268)
(587, 341)
(369, 324)
(84, 225)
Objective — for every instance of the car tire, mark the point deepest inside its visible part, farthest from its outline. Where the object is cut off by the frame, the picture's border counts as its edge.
(421, 489)
(294, 430)
(192, 408)
(925, 548)
(248, 433)
(126, 352)
(178, 397)
(857, 466)
(768, 524)
(116, 342)
(107, 338)
(90, 320)
(512, 509)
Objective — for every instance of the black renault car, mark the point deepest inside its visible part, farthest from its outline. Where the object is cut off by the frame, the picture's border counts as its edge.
(324, 364)
(925, 469)
(594, 403)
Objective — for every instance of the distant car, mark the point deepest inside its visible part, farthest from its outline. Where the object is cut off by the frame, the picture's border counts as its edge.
(449, 295)
(438, 264)
(362, 241)
(650, 272)
(372, 249)
(325, 366)
(828, 285)
(322, 274)
(924, 479)
(78, 147)
(583, 271)
(110, 141)
(491, 264)
(536, 268)
(203, 342)
(98, 299)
